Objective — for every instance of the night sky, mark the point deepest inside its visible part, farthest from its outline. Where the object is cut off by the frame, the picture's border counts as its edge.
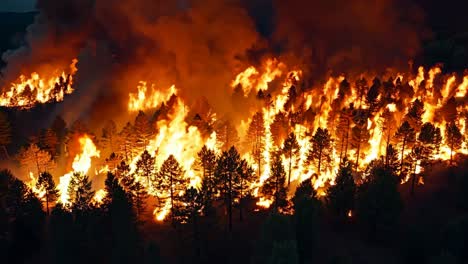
(16, 5)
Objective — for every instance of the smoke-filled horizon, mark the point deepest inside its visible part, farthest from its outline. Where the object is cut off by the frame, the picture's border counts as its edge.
(200, 45)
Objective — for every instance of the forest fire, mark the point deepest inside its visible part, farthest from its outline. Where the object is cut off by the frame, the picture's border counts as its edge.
(39, 89)
(81, 166)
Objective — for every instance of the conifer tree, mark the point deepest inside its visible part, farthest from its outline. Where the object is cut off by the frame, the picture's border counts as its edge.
(291, 150)
(453, 138)
(256, 139)
(321, 148)
(340, 196)
(46, 183)
(80, 192)
(274, 187)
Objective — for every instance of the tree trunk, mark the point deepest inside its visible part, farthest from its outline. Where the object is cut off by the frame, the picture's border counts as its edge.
(240, 202)
(413, 181)
(402, 155)
(172, 201)
(319, 160)
(290, 166)
(229, 203)
(47, 201)
(358, 151)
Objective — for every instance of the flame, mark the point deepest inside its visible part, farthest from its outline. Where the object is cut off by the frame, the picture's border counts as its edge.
(39, 89)
(99, 196)
(81, 164)
(144, 99)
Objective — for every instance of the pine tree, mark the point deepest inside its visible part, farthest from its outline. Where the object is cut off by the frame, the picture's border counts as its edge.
(143, 129)
(406, 136)
(128, 142)
(244, 179)
(414, 115)
(256, 139)
(80, 192)
(306, 220)
(291, 150)
(372, 96)
(391, 159)
(109, 136)
(453, 138)
(274, 187)
(279, 128)
(206, 164)
(378, 202)
(426, 139)
(360, 134)
(50, 142)
(226, 134)
(35, 159)
(343, 131)
(321, 148)
(190, 213)
(226, 168)
(5, 133)
(146, 167)
(171, 180)
(46, 183)
(340, 196)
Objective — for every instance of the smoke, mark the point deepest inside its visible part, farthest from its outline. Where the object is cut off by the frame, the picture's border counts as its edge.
(200, 45)
(350, 35)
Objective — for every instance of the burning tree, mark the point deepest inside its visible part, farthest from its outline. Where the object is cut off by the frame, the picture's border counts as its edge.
(33, 158)
(5, 133)
(80, 192)
(146, 167)
(256, 139)
(321, 148)
(340, 196)
(226, 170)
(171, 179)
(274, 188)
(291, 150)
(109, 136)
(453, 138)
(405, 136)
(46, 184)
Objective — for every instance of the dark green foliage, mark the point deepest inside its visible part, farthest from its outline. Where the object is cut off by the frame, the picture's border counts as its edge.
(378, 202)
(340, 196)
(306, 220)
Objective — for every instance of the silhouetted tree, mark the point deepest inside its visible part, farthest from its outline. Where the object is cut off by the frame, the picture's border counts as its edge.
(50, 142)
(128, 142)
(291, 150)
(226, 169)
(123, 231)
(146, 167)
(306, 220)
(193, 201)
(414, 115)
(226, 134)
(405, 136)
(206, 163)
(45, 182)
(256, 139)
(378, 202)
(35, 159)
(143, 129)
(321, 148)
(109, 136)
(244, 177)
(340, 196)
(359, 133)
(171, 179)
(279, 128)
(274, 187)
(344, 125)
(453, 138)
(80, 192)
(5, 133)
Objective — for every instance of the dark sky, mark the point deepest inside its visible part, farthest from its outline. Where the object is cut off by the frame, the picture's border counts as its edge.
(16, 5)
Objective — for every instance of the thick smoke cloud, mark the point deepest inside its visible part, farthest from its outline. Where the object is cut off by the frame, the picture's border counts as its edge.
(200, 45)
(344, 35)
